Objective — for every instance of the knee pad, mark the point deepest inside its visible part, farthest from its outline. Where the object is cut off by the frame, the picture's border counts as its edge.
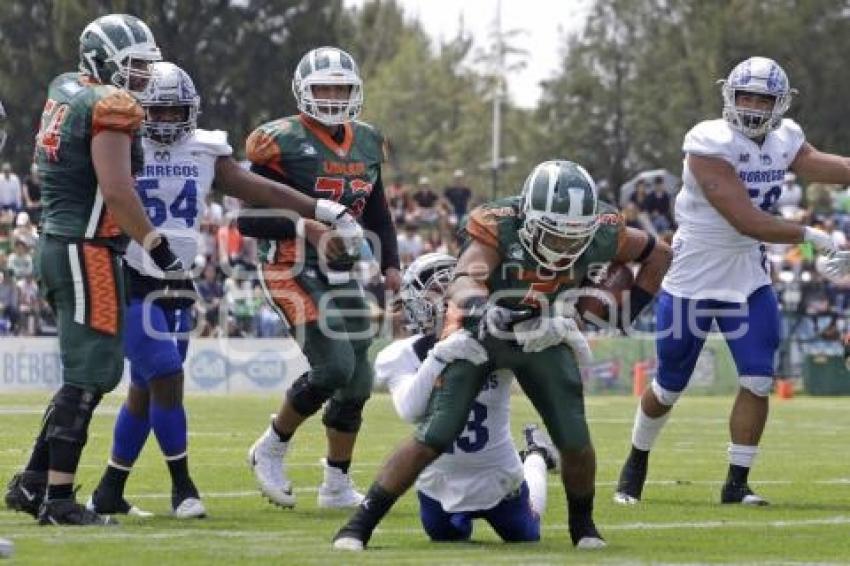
(344, 416)
(760, 385)
(307, 398)
(665, 396)
(72, 411)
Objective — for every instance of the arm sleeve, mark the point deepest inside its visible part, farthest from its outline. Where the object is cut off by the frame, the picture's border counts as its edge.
(483, 227)
(377, 218)
(258, 226)
(409, 381)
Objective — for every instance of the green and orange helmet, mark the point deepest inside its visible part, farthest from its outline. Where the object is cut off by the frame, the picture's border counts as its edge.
(560, 213)
(118, 49)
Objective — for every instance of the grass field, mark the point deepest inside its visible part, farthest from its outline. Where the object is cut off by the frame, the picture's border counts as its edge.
(804, 470)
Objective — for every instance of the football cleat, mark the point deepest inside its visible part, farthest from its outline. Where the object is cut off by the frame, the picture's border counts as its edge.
(733, 492)
(337, 490)
(7, 548)
(69, 512)
(536, 440)
(585, 536)
(25, 492)
(190, 508)
(348, 543)
(265, 458)
(102, 505)
(632, 479)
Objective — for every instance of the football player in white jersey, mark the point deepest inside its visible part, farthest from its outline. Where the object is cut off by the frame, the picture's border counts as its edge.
(733, 171)
(181, 162)
(481, 475)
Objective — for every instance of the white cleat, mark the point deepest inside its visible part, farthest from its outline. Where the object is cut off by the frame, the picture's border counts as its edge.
(265, 459)
(190, 508)
(337, 491)
(133, 511)
(7, 548)
(625, 499)
(348, 543)
(591, 543)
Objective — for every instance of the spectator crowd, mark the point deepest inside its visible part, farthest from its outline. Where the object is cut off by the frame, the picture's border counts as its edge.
(427, 219)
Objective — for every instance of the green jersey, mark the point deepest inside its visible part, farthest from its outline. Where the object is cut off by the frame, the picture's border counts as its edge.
(77, 109)
(305, 156)
(519, 281)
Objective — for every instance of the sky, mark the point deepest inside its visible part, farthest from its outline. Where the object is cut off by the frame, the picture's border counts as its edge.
(544, 23)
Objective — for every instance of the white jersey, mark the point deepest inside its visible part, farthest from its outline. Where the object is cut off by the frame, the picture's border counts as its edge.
(710, 257)
(173, 187)
(482, 467)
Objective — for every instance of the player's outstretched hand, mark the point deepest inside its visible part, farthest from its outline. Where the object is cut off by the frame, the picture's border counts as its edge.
(459, 345)
(837, 264)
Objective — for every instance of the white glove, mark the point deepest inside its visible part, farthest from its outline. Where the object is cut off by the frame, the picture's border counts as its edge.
(459, 345)
(347, 228)
(328, 211)
(836, 264)
(540, 333)
(822, 241)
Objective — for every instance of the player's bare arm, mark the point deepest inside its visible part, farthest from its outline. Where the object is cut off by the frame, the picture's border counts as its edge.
(474, 266)
(257, 190)
(818, 166)
(653, 255)
(109, 150)
(727, 193)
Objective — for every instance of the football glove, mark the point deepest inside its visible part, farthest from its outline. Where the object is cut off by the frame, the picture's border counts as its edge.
(459, 345)
(351, 233)
(328, 211)
(540, 333)
(499, 322)
(837, 264)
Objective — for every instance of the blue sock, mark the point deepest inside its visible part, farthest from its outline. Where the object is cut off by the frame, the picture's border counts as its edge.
(169, 426)
(129, 436)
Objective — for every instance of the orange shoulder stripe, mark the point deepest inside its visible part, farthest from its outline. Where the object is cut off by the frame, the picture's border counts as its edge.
(262, 149)
(483, 227)
(117, 111)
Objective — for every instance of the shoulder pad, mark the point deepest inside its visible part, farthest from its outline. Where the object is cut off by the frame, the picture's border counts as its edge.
(793, 135)
(118, 111)
(484, 221)
(710, 138)
(213, 142)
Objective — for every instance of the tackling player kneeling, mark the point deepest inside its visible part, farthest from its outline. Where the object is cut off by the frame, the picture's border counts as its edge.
(522, 252)
(481, 475)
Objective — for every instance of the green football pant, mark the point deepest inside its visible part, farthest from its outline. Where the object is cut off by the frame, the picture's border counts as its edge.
(333, 324)
(551, 380)
(83, 284)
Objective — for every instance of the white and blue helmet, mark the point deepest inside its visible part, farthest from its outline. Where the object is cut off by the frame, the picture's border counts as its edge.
(170, 86)
(758, 75)
(423, 291)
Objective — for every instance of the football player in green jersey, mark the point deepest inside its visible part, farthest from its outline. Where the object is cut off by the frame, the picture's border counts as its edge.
(87, 149)
(322, 151)
(523, 256)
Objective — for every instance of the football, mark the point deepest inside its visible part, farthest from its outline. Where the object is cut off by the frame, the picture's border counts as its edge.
(608, 289)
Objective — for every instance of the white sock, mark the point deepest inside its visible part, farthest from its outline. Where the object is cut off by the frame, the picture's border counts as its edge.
(646, 429)
(534, 469)
(742, 455)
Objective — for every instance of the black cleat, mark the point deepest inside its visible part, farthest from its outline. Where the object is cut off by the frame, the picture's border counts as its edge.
(733, 492)
(102, 503)
(536, 440)
(69, 512)
(25, 492)
(632, 478)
